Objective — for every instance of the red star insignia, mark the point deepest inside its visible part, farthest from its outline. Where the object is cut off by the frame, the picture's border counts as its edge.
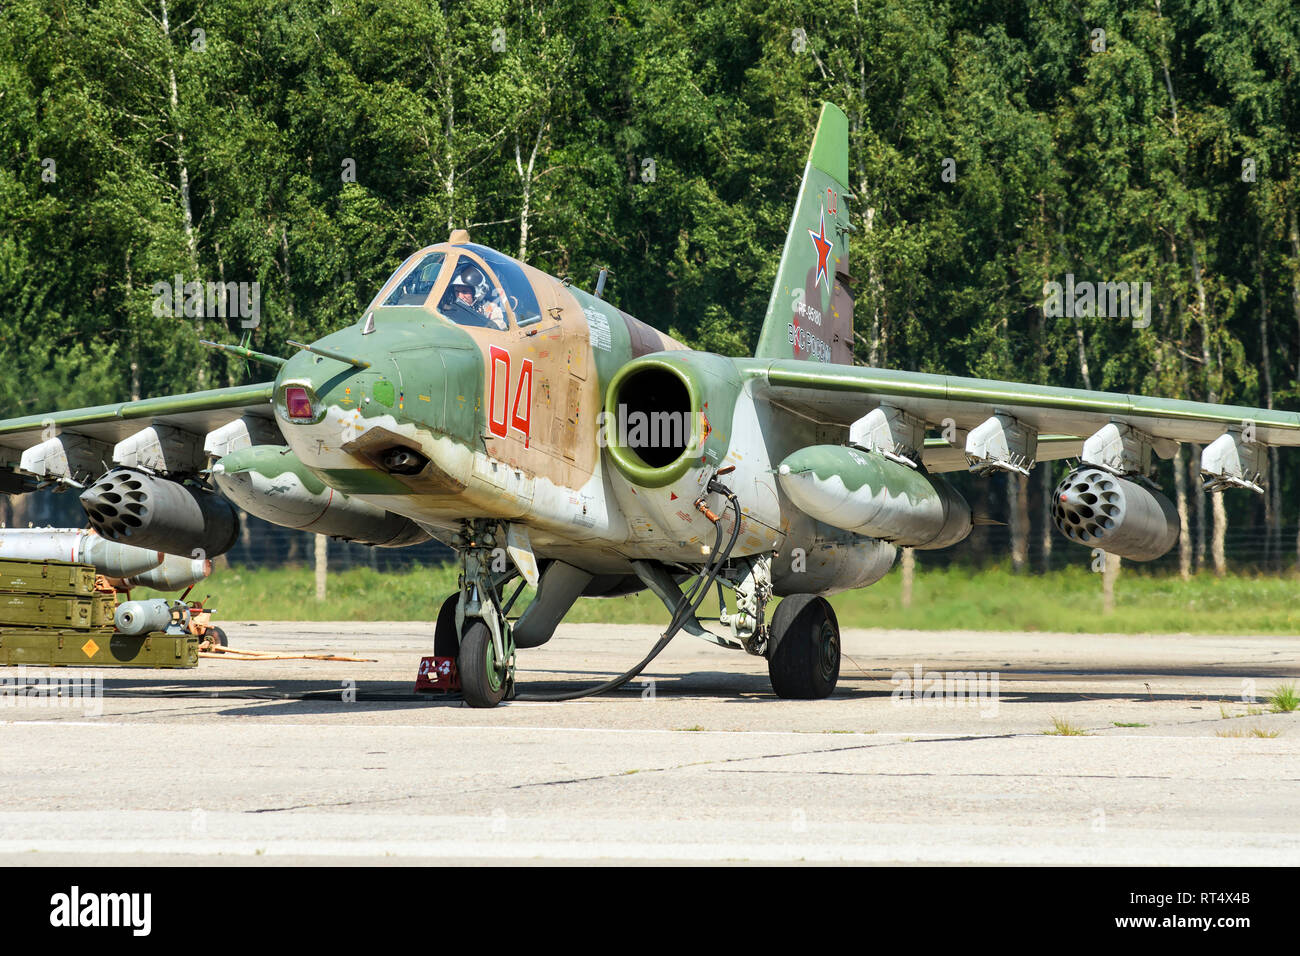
(823, 248)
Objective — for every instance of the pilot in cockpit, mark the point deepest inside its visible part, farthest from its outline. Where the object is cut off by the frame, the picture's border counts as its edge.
(472, 300)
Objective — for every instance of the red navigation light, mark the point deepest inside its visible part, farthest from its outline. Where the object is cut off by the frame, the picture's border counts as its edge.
(297, 404)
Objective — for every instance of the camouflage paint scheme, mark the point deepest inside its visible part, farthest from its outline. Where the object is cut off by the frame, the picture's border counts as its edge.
(867, 493)
(509, 418)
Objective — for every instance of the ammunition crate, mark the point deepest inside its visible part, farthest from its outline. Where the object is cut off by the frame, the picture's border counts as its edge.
(102, 608)
(47, 577)
(54, 648)
(45, 610)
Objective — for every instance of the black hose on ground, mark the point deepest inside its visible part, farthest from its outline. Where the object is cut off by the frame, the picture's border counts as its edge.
(686, 607)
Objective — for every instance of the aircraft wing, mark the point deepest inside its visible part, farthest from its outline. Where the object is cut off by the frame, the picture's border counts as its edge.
(169, 434)
(1063, 417)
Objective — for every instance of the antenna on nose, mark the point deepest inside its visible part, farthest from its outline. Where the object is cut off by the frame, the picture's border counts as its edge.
(328, 353)
(600, 282)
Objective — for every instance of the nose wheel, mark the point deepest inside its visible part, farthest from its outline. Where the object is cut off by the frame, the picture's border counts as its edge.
(483, 680)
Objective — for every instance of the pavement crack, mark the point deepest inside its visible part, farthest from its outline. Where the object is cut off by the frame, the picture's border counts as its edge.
(693, 763)
(947, 775)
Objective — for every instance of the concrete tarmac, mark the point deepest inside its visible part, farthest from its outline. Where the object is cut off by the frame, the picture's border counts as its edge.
(293, 761)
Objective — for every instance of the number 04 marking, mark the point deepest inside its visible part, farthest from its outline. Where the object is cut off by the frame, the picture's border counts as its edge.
(500, 358)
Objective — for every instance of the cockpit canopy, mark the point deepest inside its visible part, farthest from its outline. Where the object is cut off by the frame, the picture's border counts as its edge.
(416, 284)
(468, 284)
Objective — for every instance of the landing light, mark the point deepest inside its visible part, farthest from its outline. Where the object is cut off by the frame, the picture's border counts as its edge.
(297, 404)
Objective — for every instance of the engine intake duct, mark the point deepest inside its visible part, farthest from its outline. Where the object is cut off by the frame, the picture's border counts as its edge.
(135, 507)
(654, 426)
(1098, 509)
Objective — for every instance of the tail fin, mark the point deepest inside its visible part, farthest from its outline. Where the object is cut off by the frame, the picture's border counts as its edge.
(810, 314)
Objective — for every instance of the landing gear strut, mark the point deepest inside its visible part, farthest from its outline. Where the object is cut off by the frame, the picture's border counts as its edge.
(472, 624)
(752, 591)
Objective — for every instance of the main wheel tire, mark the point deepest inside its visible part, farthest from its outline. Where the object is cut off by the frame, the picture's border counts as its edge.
(481, 684)
(803, 655)
(217, 636)
(446, 643)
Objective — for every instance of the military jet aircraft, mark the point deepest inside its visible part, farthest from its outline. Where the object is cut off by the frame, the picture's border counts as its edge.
(547, 436)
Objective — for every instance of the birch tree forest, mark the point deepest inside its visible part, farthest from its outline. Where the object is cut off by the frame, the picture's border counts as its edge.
(996, 146)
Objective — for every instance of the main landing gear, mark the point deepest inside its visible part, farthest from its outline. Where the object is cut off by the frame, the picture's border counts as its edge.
(803, 648)
(802, 642)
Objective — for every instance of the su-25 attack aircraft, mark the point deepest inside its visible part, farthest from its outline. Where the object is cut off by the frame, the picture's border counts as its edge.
(543, 433)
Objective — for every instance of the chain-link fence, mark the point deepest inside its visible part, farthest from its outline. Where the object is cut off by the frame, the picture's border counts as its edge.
(262, 544)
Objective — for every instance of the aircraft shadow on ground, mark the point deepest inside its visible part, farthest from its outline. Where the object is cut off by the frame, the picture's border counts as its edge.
(294, 696)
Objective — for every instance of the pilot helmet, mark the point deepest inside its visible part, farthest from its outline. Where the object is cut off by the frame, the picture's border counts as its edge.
(471, 277)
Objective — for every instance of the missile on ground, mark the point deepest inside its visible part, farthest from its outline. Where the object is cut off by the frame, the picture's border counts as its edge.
(79, 546)
(142, 617)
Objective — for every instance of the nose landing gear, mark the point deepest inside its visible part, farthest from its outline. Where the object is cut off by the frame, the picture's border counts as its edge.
(472, 624)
